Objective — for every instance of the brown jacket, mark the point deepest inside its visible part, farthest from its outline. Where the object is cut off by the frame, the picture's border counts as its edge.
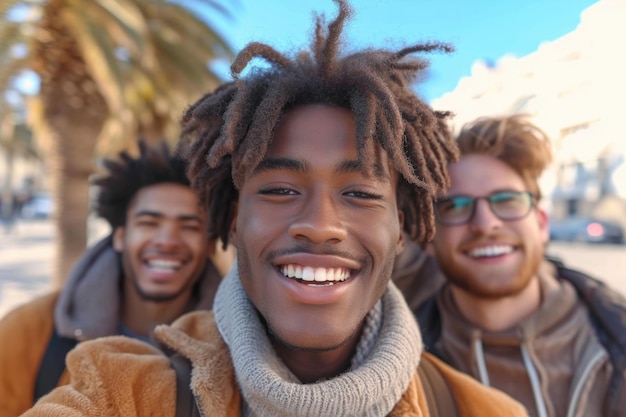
(125, 377)
(552, 361)
(86, 308)
(24, 333)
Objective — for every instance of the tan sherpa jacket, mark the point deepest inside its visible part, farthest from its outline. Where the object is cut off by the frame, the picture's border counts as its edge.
(117, 376)
(87, 307)
(24, 335)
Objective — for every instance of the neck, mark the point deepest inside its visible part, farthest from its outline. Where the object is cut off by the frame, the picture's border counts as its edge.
(142, 316)
(497, 314)
(310, 366)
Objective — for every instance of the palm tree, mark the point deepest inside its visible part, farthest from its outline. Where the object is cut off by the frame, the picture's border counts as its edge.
(16, 139)
(130, 62)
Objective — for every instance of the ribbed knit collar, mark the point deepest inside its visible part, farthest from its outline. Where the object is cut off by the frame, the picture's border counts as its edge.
(270, 389)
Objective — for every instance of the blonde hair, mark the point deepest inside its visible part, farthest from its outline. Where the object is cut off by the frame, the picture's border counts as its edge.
(512, 139)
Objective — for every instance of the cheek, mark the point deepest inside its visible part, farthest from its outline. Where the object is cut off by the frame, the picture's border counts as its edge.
(386, 239)
(261, 221)
(444, 240)
(199, 245)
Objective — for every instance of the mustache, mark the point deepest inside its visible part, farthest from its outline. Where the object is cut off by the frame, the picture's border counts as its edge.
(480, 238)
(304, 248)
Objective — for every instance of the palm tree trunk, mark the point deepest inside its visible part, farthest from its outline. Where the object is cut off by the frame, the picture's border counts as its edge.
(74, 111)
(70, 158)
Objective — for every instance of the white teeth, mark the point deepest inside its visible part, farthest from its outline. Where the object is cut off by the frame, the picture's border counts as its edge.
(309, 274)
(320, 275)
(164, 264)
(490, 251)
(330, 274)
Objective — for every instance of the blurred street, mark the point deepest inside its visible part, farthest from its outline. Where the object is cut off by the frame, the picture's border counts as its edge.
(26, 262)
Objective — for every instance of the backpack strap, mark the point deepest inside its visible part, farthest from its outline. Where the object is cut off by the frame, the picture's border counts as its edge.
(52, 364)
(439, 397)
(186, 405)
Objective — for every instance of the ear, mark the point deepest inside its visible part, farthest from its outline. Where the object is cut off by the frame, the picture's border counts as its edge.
(430, 248)
(212, 246)
(118, 239)
(233, 224)
(544, 225)
(400, 244)
(222, 258)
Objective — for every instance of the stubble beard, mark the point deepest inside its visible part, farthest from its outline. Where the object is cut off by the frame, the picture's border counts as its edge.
(477, 287)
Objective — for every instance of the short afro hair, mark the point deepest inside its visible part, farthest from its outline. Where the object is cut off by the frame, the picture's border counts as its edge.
(127, 175)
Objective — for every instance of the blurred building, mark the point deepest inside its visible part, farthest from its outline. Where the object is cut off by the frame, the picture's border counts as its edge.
(574, 88)
(21, 173)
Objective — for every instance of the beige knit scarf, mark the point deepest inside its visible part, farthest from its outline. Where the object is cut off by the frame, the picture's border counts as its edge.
(389, 354)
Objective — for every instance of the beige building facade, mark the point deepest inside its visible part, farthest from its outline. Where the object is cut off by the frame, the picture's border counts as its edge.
(573, 87)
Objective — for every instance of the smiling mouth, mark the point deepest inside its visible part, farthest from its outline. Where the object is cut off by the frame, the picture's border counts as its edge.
(164, 265)
(315, 276)
(491, 251)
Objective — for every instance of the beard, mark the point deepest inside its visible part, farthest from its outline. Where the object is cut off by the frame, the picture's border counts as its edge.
(156, 297)
(495, 286)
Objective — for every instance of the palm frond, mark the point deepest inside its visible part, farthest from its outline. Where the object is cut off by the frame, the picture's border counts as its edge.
(125, 23)
(190, 29)
(99, 53)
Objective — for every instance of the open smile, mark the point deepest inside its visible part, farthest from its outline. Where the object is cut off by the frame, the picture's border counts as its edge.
(490, 251)
(315, 276)
(163, 265)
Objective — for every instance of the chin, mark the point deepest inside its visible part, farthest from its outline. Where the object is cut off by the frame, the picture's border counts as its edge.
(310, 341)
(305, 346)
(158, 296)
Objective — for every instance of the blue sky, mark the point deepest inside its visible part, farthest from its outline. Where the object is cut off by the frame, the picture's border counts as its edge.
(479, 29)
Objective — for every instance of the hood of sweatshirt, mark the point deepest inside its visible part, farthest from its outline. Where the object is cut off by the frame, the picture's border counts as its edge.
(541, 361)
(416, 274)
(89, 303)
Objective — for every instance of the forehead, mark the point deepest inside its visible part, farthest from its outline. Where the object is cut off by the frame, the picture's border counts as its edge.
(306, 129)
(318, 134)
(166, 198)
(477, 174)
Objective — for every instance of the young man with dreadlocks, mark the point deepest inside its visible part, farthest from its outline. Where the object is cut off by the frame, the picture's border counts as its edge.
(152, 268)
(549, 336)
(312, 167)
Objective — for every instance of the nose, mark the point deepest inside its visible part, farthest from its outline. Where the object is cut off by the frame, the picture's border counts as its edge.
(319, 221)
(484, 220)
(167, 236)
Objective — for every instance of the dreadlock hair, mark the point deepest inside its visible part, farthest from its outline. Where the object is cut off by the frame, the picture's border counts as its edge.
(226, 134)
(512, 139)
(128, 175)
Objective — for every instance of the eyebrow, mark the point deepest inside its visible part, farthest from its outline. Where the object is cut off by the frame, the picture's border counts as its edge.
(289, 164)
(182, 217)
(346, 167)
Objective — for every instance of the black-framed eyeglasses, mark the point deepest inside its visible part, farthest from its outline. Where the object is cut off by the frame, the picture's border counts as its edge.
(505, 205)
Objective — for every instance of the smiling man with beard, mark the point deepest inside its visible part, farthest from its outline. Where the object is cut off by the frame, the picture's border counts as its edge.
(312, 166)
(551, 337)
(153, 268)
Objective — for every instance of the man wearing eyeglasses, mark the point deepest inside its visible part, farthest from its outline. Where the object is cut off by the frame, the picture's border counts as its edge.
(551, 337)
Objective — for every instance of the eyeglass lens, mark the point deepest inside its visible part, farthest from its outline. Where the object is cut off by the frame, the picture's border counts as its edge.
(506, 205)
